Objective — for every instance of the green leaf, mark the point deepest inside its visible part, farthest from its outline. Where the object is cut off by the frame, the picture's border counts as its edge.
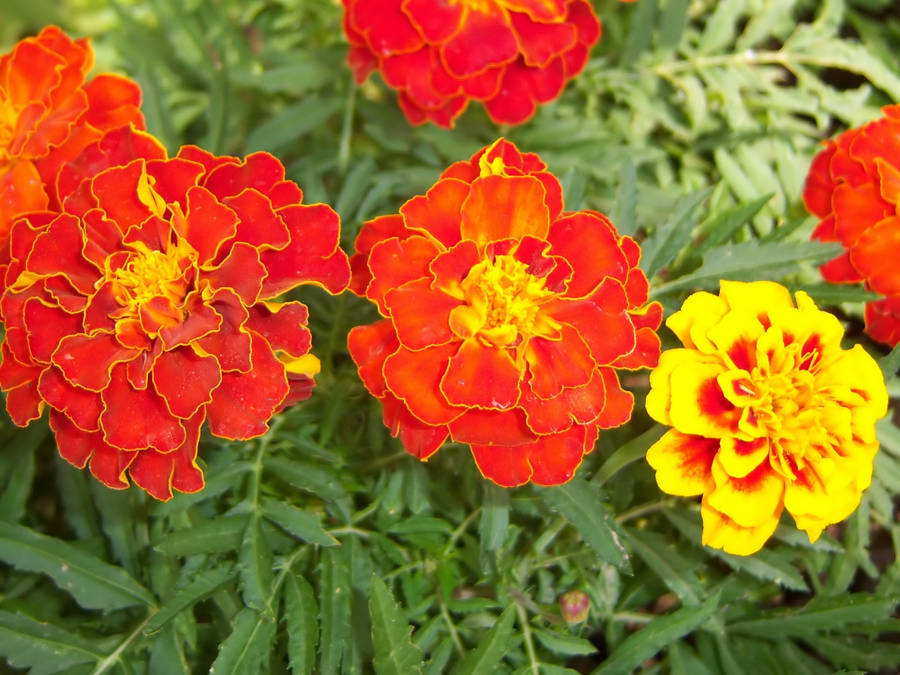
(765, 564)
(723, 225)
(43, 647)
(334, 599)
(93, 583)
(248, 644)
(167, 655)
(301, 613)
(819, 614)
(640, 34)
(672, 569)
(491, 649)
(567, 645)
(290, 124)
(630, 452)
(203, 585)
(302, 524)
(209, 536)
(494, 524)
(653, 637)
(583, 505)
(625, 214)
(19, 452)
(255, 560)
(748, 261)
(669, 238)
(395, 654)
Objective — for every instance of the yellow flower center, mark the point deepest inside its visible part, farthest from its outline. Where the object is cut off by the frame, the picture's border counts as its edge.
(150, 274)
(502, 303)
(781, 401)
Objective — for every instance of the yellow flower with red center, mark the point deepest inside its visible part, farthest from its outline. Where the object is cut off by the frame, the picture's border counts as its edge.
(146, 306)
(505, 319)
(48, 114)
(768, 413)
(512, 55)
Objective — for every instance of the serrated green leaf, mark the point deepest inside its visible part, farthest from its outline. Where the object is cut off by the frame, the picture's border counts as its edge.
(723, 225)
(672, 22)
(669, 238)
(255, 565)
(656, 635)
(334, 599)
(856, 652)
(302, 524)
(248, 644)
(625, 213)
(167, 655)
(203, 585)
(763, 564)
(748, 261)
(492, 528)
(290, 124)
(209, 536)
(667, 564)
(630, 452)
(491, 649)
(395, 654)
(819, 614)
(567, 645)
(42, 647)
(301, 613)
(117, 518)
(583, 505)
(19, 451)
(93, 583)
(640, 35)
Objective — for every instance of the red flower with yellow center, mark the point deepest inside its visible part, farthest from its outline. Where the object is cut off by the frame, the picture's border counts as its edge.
(146, 306)
(511, 55)
(505, 319)
(854, 187)
(769, 413)
(48, 114)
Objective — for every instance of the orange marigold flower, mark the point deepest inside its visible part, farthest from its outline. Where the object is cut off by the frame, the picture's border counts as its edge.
(505, 319)
(854, 187)
(438, 54)
(144, 307)
(48, 114)
(768, 413)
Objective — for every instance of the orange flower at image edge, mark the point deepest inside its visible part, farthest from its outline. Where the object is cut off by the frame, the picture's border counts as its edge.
(511, 55)
(768, 413)
(144, 308)
(48, 114)
(505, 319)
(854, 187)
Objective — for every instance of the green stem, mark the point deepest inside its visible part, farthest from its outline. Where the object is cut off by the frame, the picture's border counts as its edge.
(526, 636)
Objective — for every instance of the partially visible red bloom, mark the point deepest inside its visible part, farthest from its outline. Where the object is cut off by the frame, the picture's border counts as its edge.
(48, 114)
(511, 55)
(145, 307)
(854, 187)
(505, 319)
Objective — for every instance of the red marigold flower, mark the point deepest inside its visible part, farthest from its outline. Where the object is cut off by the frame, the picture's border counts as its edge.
(505, 319)
(768, 413)
(48, 114)
(145, 307)
(854, 187)
(511, 55)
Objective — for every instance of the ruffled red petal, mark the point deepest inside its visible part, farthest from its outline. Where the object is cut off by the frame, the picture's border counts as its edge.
(185, 380)
(415, 377)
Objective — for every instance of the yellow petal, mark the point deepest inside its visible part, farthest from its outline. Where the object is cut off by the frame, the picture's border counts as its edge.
(738, 458)
(749, 501)
(698, 406)
(735, 334)
(699, 312)
(720, 531)
(755, 297)
(659, 397)
(682, 463)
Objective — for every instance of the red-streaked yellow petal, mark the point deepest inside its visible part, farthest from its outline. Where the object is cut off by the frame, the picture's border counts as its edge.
(720, 531)
(750, 501)
(683, 463)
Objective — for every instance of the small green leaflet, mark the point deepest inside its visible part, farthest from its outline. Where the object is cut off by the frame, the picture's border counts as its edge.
(301, 613)
(489, 652)
(395, 654)
(201, 587)
(249, 643)
(93, 583)
(43, 647)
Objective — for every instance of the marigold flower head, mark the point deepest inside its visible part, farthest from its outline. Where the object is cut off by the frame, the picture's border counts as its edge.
(48, 114)
(505, 319)
(145, 307)
(768, 413)
(854, 187)
(511, 55)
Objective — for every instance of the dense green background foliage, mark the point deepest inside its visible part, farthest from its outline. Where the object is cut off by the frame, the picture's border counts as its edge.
(323, 547)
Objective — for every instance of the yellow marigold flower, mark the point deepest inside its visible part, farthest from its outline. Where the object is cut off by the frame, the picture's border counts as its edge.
(768, 412)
